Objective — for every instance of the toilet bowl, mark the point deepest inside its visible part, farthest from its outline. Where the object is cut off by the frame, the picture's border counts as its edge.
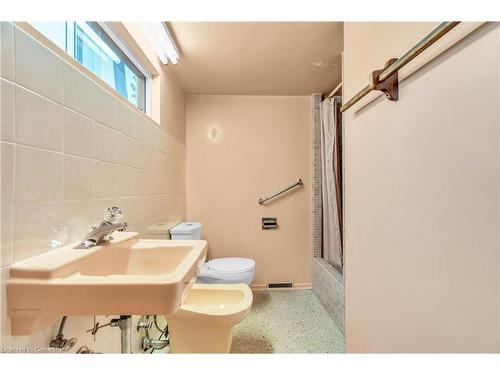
(204, 321)
(231, 270)
(227, 271)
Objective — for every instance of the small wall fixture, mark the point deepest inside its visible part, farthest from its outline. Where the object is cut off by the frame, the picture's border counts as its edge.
(163, 43)
(269, 223)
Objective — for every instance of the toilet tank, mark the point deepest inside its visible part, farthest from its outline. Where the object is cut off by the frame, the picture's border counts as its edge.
(186, 231)
(159, 231)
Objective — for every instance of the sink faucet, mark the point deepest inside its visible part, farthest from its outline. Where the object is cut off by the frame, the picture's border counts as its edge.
(113, 220)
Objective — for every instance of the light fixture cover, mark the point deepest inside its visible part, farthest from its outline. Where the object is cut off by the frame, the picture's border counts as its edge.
(163, 43)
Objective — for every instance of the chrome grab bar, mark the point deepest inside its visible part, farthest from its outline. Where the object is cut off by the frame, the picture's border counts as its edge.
(263, 201)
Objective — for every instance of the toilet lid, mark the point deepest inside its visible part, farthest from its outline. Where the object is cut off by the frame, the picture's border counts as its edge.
(231, 265)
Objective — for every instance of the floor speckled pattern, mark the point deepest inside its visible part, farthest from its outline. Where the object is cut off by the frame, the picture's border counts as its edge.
(287, 321)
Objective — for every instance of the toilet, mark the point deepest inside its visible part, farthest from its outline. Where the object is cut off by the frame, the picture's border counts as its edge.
(232, 270)
(205, 320)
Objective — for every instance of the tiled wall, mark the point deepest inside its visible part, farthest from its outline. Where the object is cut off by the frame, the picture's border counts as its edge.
(328, 285)
(327, 282)
(317, 218)
(69, 149)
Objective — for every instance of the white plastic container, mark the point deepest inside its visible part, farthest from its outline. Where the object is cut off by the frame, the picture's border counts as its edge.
(186, 231)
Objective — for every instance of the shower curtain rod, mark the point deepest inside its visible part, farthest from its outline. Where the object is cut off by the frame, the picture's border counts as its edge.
(337, 88)
(386, 79)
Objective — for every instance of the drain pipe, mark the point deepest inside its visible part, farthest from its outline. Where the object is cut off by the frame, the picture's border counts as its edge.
(124, 323)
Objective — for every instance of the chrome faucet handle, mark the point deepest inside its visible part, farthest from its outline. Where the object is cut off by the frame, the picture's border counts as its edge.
(113, 221)
(113, 215)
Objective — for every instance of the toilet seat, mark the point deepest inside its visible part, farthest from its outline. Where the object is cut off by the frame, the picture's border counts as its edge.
(231, 270)
(231, 265)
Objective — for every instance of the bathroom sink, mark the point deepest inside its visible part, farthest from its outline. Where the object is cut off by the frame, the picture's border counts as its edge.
(126, 276)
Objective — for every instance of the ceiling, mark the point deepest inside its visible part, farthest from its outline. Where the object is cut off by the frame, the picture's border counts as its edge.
(258, 58)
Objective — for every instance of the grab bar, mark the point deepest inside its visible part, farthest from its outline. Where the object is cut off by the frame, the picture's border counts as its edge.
(263, 201)
(390, 87)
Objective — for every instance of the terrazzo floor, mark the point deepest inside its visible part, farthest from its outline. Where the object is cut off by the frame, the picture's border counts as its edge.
(287, 321)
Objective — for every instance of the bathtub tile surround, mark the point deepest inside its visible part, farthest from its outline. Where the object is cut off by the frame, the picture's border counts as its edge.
(317, 218)
(328, 285)
(70, 149)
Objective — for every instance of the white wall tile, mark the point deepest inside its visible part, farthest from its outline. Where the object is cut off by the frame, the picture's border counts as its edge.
(112, 180)
(139, 155)
(70, 167)
(4, 323)
(78, 178)
(7, 177)
(7, 50)
(125, 179)
(150, 158)
(105, 179)
(153, 135)
(38, 228)
(112, 146)
(37, 68)
(139, 125)
(123, 118)
(105, 148)
(78, 216)
(79, 92)
(78, 134)
(39, 121)
(125, 147)
(39, 175)
(7, 110)
(140, 182)
(105, 109)
(141, 213)
(7, 234)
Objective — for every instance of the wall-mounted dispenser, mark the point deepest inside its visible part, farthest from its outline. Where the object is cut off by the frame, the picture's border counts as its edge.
(269, 223)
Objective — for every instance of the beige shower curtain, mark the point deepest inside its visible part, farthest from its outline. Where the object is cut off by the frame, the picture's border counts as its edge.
(332, 243)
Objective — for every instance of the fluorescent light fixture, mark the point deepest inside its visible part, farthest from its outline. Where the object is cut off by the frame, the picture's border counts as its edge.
(163, 43)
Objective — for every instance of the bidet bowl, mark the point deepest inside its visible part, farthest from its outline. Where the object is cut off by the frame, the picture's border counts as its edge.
(205, 320)
(127, 276)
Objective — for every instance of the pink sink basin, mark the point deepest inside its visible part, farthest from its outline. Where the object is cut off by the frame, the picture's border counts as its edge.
(127, 276)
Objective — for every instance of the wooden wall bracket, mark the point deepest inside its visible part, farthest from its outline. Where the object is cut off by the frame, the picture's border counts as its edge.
(389, 86)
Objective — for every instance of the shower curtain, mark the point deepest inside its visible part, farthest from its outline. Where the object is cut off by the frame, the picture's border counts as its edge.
(332, 243)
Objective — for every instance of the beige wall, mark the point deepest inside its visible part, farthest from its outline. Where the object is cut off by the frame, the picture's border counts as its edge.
(422, 197)
(69, 149)
(241, 148)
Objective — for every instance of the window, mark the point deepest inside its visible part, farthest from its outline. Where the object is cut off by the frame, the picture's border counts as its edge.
(90, 45)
